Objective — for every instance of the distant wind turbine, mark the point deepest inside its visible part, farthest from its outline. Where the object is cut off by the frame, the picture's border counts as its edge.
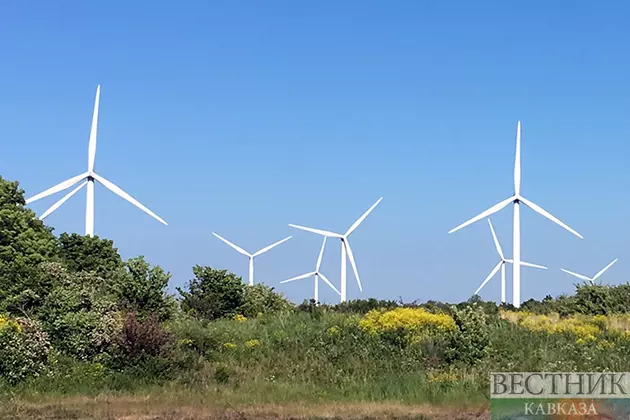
(317, 274)
(345, 247)
(501, 265)
(251, 256)
(516, 199)
(89, 178)
(595, 277)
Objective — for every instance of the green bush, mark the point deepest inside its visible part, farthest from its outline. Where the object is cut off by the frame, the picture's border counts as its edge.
(262, 299)
(81, 318)
(24, 349)
(469, 343)
(212, 294)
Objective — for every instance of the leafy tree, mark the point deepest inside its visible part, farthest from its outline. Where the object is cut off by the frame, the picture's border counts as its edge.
(24, 243)
(213, 293)
(89, 254)
(143, 290)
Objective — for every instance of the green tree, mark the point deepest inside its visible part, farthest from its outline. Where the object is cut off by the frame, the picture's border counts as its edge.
(24, 243)
(213, 293)
(143, 290)
(89, 254)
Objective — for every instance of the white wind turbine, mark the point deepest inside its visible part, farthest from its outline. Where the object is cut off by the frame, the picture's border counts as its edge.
(88, 179)
(595, 277)
(501, 265)
(516, 199)
(251, 256)
(317, 274)
(345, 247)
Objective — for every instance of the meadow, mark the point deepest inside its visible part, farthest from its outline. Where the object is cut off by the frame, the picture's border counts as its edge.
(86, 335)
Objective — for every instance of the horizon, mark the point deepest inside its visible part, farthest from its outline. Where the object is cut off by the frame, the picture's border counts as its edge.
(210, 122)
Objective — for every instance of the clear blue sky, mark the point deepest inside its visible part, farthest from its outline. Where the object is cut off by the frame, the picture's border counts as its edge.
(242, 117)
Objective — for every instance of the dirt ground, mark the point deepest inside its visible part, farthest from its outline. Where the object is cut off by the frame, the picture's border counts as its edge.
(161, 408)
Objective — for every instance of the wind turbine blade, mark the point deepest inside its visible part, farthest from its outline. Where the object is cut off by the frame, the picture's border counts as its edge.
(119, 192)
(59, 187)
(496, 241)
(321, 254)
(236, 247)
(517, 161)
(526, 264)
(329, 283)
(318, 231)
(485, 213)
(346, 244)
(362, 218)
(60, 202)
(548, 215)
(492, 273)
(93, 131)
(579, 276)
(303, 276)
(604, 269)
(267, 248)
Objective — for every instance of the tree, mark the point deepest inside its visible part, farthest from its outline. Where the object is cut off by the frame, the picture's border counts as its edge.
(89, 254)
(24, 244)
(213, 293)
(143, 290)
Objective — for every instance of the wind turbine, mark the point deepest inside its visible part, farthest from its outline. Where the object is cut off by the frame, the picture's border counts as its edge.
(501, 265)
(89, 178)
(317, 274)
(595, 277)
(516, 199)
(251, 256)
(345, 247)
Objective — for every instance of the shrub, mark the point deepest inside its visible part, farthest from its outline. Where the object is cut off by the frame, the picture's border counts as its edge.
(263, 299)
(141, 338)
(142, 289)
(213, 294)
(24, 349)
(469, 342)
(81, 319)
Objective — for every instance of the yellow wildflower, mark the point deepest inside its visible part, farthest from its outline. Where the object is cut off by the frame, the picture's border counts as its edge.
(229, 345)
(411, 320)
(334, 330)
(252, 343)
(442, 377)
(240, 318)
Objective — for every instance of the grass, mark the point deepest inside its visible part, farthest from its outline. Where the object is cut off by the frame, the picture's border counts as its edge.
(299, 366)
(170, 404)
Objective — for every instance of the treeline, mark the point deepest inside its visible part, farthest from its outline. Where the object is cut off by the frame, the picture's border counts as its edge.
(70, 307)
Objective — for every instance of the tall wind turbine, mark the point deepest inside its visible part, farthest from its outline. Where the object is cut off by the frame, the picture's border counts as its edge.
(595, 277)
(516, 199)
(501, 265)
(345, 247)
(317, 274)
(89, 178)
(251, 256)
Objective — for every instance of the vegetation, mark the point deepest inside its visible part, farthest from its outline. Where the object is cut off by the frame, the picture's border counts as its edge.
(75, 319)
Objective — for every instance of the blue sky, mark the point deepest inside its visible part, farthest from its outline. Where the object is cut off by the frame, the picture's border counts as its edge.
(242, 117)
